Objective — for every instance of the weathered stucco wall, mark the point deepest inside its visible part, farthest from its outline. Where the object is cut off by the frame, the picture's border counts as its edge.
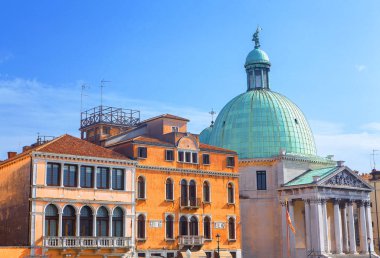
(14, 202)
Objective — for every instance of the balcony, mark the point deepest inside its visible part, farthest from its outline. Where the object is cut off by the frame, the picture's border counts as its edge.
(87, 242)
(191, 203)
(190, 241)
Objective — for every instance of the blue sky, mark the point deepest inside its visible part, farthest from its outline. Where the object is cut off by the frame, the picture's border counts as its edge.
(186, 57)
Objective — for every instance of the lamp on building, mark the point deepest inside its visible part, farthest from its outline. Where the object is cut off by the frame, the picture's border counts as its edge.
(218, 240)
(369, 246)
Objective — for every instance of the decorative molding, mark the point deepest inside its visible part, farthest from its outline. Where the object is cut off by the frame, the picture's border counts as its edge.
(100, 202)
(344, 178)
(190, 171)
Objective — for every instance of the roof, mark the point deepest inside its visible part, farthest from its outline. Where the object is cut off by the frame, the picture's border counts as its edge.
(307, 177)
(257, 56)
(166, 116)
(204, 146)
(70, 145)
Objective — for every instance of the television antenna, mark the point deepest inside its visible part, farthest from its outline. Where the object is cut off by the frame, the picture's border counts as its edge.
(83, 88)
(102, 85)
(373, 154)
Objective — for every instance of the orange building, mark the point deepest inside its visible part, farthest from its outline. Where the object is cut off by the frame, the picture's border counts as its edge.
(187, 192)
(67, 198)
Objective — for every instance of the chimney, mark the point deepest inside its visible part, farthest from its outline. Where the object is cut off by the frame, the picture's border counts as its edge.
(340, 163)
(11, 154)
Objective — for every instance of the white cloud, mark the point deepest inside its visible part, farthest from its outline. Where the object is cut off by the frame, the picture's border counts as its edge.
(374, 127)
(326, 127)
(360, 67)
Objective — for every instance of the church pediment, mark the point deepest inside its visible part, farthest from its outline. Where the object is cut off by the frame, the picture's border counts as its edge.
(345, 178)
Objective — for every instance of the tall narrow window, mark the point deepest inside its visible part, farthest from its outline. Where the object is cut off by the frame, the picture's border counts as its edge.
(261, 178)
(141, 226)
(180, 156)
(102, 222)
(86, 221)
(169, 155)
(207, 227)
(230, 161)
(206, 192)
(51, 220)
(70, 175)
(195, 157)
(68, 221)
(206, 159)
(53, 174)
(141, 188)
(169, 227)
(193, 226)
(230, 192)
(102, 178)
(258, 80)
(117, 222)
(193, 193)
(169, 189)
(187, 157)
(231, 229)
(184, 193)
(86, 176)
(142, 152)
(183, 226)
(117, 179)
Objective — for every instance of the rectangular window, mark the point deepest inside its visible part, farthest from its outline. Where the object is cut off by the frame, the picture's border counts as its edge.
(86, 176)
(142, 152)
(117, 179)
(53, 174)
(102, 175)
(188, 157)
(261, 177)
(174, 128)
(195, 157)
(258, 82)
(169, 155)
(206, 159)
(70, 175)
(180, 156)
(106, 130)
(230, 161)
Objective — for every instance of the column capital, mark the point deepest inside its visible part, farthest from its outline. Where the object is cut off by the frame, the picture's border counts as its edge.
(361, 203)
(316, 200)
(350, 202)
(306, 200)
(283, 203)
(367, 203)
(337, 201)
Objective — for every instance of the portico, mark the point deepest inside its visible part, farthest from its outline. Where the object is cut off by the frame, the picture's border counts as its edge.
(331, 212)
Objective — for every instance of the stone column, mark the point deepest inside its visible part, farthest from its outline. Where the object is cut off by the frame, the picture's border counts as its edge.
(318, 242)
(369, 224)
(94, 225)
(338, 228)
(95, 173)
(78, 175)
(363, 228)
(284, 230)
(110, 225)
(351, 227)
(344, 228)
(325, 227)
(307, 223)
(61, 174)
(292, 238)
(110, 178)
(77, 224)
(60, 223)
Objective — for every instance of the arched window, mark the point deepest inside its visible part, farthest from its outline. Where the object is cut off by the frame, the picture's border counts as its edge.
(231, 228)
(193, 226)
(68, 221)
(141, 188)
(141, 226)
(206, 191)
(86, 221)
(102, 222)
(183, 226)
(51, 220)
(117, 222)
(183, 192)
(193, 193)
(207, 227)
(169, 189)
(231, 194)
(169, 227)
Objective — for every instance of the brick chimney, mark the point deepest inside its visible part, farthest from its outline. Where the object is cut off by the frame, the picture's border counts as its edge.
(11, 154)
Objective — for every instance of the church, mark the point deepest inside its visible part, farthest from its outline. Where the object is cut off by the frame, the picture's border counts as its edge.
(293, 202)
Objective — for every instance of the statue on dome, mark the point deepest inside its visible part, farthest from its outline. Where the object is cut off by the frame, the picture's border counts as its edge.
(256, 38)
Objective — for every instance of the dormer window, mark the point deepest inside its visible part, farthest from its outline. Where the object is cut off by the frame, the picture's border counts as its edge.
(175, 129)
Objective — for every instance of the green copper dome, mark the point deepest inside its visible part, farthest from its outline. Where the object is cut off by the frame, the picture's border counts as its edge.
(260, 123)
(257, 56)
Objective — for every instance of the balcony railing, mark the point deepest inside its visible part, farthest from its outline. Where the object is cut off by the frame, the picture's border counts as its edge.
(191, 240)
(87, 242)
(191, 203)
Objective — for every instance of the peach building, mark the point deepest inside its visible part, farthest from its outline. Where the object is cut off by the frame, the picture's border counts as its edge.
(187, 192)
(67, 198)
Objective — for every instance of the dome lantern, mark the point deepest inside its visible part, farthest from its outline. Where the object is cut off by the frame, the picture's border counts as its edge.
(257, 66)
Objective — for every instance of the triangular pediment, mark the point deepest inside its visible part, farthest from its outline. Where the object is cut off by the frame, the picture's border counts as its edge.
(345, 178)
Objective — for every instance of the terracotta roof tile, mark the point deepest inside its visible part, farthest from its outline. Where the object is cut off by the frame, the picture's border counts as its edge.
(71, 145)
(203, 146)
